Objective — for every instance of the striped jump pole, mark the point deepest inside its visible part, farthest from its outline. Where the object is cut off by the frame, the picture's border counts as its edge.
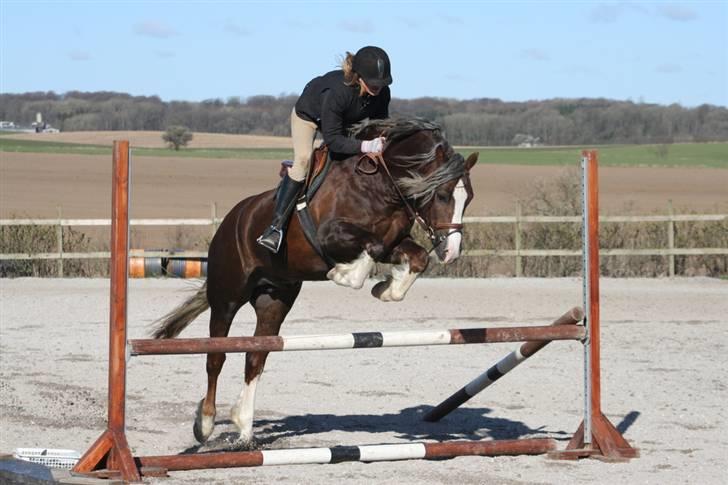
(340, 454)
(498, 370)
(362, 340)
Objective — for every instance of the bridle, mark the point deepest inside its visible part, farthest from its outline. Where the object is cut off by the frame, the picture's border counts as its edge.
(378, 161)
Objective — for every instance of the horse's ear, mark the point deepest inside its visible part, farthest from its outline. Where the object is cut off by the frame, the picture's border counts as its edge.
(471, 160)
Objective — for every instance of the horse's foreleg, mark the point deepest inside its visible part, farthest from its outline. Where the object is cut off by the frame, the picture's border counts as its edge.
(352, 274)
(271, 307)
(220, 321)
(355, 248)
(410, 260)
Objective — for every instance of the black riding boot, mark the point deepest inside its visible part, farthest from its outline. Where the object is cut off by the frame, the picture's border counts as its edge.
(272, 237)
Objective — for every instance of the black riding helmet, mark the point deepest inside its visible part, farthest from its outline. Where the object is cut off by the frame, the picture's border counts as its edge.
(372, 65)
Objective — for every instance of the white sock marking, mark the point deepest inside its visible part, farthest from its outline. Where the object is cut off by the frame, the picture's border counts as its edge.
(401, 281)
(207, 425)
(352, 274)
(243, 410)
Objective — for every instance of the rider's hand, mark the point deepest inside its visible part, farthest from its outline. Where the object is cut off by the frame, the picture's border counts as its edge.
(373, 146)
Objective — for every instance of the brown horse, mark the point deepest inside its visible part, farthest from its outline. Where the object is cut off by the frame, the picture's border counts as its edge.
(364, 212)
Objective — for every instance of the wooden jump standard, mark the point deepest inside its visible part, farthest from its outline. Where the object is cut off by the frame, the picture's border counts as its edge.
(596, 436)
(111, 450)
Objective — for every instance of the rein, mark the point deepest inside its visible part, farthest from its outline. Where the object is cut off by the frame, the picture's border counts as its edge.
(378, 160)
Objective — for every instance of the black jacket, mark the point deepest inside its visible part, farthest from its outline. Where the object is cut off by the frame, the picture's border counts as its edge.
(334, 106)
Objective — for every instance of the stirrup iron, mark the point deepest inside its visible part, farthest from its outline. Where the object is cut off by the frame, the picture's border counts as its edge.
(265, 239)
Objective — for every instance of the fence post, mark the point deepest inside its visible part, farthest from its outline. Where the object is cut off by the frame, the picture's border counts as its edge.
(59, 237)
(519, 268)
(671, 239)
(213, 210)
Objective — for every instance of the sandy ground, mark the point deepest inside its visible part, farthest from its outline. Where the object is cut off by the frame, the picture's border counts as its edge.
(153, 139)
(664, 368)
(33, 185)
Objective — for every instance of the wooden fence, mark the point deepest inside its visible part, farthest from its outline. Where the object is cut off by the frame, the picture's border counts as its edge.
(670, 251)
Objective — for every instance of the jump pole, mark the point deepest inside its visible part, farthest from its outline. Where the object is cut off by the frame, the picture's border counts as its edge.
(536, 335)
(499, 369)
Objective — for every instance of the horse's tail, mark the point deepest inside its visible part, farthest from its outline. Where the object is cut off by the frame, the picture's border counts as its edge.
(170, 325)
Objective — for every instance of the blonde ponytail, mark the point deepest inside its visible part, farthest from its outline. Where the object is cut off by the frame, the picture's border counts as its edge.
(351, 78)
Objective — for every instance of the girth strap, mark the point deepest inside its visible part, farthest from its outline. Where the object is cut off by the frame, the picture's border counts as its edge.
(309, 229)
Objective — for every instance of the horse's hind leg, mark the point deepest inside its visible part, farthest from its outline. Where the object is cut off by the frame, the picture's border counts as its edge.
(271, 304)
(221, 317)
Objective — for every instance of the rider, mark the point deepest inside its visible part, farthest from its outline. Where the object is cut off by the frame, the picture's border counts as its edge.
(330, 104)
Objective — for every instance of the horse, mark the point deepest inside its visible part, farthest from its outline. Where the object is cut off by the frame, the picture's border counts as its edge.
(364, 211)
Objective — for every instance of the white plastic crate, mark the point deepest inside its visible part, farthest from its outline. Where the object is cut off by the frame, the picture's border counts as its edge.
(49, 457)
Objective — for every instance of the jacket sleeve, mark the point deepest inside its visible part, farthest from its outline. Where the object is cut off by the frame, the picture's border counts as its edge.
(332, 123)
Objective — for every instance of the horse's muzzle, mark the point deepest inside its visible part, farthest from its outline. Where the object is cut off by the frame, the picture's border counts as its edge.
(449, 248)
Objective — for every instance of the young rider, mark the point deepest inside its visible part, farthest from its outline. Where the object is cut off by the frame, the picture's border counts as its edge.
(330, 104)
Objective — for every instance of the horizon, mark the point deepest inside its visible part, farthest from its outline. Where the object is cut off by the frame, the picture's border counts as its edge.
(283, 95)
(656, 52)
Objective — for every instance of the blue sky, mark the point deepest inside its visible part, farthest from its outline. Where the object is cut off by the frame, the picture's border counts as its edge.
(655, 52)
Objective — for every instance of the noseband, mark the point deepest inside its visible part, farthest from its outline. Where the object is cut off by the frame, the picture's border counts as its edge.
(435, 239)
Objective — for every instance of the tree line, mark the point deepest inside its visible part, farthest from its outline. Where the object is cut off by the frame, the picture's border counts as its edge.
(484, 121)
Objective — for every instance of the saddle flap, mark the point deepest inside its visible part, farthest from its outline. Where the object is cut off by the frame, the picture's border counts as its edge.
(318, 168)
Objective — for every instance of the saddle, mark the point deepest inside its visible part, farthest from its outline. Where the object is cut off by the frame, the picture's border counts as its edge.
(318, 167)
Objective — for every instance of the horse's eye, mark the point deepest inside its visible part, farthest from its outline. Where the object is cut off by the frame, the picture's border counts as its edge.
(443, 197)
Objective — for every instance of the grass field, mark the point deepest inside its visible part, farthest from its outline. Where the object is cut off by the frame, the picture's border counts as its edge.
(26, 146)
(675, 155)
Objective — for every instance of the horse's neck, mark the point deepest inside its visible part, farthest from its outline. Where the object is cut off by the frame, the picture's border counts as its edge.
(374, 190)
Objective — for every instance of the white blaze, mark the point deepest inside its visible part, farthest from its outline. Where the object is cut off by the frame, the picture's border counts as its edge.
(454, 239)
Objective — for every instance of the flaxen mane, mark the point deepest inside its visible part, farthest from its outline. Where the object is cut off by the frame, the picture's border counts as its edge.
(417, 186)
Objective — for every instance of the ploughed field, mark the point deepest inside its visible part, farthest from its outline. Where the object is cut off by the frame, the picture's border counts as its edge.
(39, 173)
(33, 184)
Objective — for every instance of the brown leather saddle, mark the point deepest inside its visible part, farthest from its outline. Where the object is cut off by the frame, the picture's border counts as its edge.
(318, 168)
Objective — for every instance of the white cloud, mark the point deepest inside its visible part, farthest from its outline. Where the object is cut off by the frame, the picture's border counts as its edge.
(151, 28)
(668, 68)
(409, 22)
(606, 13)
(357, 27)
(676, 12)
(79, 55)
(534, 54)
(235, 29)
(450, 19)
(584, 70)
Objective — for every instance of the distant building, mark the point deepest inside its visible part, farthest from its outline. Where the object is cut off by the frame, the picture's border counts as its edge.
(526, 141)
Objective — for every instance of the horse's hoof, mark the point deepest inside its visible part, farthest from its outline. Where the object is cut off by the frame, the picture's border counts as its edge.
(204, 425)
(246, 444)
(380, 290)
